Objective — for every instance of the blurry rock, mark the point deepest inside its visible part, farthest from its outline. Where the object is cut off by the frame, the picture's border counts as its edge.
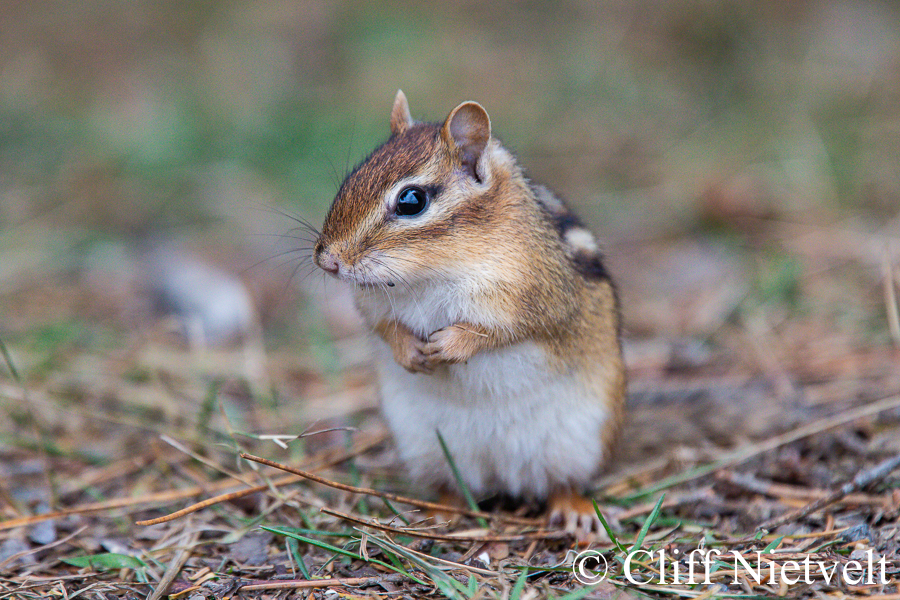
(212, 307)
(861, 531)
(44, 532)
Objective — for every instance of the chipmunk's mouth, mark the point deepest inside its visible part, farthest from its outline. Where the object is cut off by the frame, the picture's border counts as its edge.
(338, 269)
(359, 274)
(366, 285)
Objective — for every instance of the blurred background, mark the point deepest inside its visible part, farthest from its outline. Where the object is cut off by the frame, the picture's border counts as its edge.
(740, 160)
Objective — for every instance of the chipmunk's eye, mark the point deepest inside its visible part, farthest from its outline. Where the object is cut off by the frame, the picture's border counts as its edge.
(411, 201)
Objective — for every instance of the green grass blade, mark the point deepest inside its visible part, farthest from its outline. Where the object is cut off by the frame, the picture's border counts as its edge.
(362, 505)
(609, 531)
(347, 533)
(444, 582)
(516, 592)
(472, 587)
(9, 362)
(396, 512)
(293, 551)
(341, 551)
(467, 494)
(771, 547)
(106, 562)
(579, 593)
(646, 526)
(207, 408)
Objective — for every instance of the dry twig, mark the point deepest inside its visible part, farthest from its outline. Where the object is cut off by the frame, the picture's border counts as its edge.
(793, 492)
(749, 451)
(532, 535)
(301, 584)
(433, 506)
(189, 540)
(320, 462)
(863, 479)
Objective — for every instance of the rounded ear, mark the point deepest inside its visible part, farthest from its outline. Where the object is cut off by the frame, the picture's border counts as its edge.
(401, 120)
(468, 129)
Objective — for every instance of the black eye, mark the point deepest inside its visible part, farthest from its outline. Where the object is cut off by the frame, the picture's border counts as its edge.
(411, 201)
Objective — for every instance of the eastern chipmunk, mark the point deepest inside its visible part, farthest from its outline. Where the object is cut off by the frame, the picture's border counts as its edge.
(496, 322)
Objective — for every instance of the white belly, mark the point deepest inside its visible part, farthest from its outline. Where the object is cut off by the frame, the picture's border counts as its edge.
(512, 425)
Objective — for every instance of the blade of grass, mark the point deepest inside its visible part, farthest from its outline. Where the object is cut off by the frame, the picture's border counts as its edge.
(448, 585)
(609, 531)
(206, 409)
(293, 552)
(771, 547)
(472, 586)
(516, 592)
(399, 515)
(579, 593)
(393, 558)
(107, 561)
(355, 478)
(9, 362)
(646, 526)
(467, 494)
(346, 533)
(341, 551)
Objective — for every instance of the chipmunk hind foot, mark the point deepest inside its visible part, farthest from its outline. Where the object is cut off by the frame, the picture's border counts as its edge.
(574, 512)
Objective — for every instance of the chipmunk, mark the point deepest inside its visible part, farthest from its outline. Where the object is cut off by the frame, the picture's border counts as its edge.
(495, 320)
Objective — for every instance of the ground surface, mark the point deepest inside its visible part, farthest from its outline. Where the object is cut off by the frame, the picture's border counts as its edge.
(739, 163)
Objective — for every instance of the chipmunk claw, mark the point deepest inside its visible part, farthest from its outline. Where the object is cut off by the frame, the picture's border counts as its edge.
(414, 359)
(575, 514)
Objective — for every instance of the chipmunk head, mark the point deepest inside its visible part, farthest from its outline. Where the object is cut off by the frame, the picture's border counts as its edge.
(412, 210)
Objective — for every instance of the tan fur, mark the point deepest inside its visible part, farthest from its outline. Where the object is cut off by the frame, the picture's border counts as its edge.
(530, 271)
(401, 120)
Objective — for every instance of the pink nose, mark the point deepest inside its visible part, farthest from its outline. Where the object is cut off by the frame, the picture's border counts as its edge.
(327, 261)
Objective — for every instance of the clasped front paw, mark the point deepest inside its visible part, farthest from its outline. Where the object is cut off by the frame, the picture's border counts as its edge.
(450, 345)
(412, 357)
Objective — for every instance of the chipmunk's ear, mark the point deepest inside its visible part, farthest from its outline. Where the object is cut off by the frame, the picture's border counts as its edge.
(468, 129)
(401, 120)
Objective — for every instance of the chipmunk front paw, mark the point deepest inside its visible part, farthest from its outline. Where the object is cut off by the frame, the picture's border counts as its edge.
(454, 344)
(411, 356)
(410, 353)
(407, 348)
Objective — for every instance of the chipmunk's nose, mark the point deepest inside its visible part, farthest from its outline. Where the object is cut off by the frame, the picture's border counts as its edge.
(328, 262)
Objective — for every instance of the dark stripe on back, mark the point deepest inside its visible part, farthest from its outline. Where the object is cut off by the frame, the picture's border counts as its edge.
(565, 222)
(589, 264)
